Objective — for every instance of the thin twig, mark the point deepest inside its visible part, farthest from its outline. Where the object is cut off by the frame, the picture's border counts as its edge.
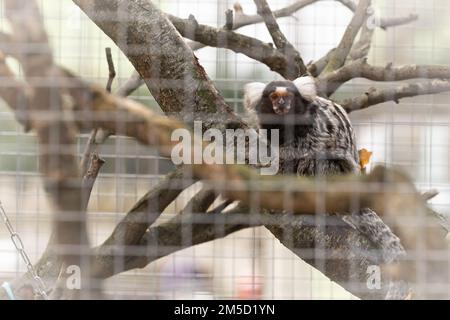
(229, 19)
(96, 163)
(88, 151)
(112, 70)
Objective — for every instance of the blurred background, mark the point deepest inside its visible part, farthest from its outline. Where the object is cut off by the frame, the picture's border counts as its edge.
(413, 135)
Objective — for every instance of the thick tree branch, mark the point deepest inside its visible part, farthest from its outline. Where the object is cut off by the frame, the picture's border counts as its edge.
(152, 129)
(15, 93)
(168, 237)
(241, 19)
(58, 165)
(330, 247)
(170, 70)
(130, 230)
(240, 183)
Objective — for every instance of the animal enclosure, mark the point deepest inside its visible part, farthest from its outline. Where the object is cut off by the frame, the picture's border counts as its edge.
(90, 193)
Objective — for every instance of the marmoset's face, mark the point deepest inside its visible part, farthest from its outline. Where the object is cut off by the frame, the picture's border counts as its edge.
(282, 100)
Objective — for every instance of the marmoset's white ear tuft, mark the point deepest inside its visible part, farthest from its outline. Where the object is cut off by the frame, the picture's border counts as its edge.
(307, 87)
(252, 94)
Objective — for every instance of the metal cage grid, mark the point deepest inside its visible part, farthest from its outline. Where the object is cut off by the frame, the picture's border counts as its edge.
(250, 263)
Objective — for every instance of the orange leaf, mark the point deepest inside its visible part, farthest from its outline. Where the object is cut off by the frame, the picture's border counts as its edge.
(364, 157)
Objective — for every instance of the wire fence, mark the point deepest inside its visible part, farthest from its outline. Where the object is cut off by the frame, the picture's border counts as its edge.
(251, 263)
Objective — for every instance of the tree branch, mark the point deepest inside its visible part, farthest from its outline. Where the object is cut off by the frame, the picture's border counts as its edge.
(328, 84)
(295, 66)
(15, 93)
(339, 56)
(241, 19)
(201, 201)
(362, 47)
(397, 21)
(131, 85)
(133, 226)
(375, 96)
(167, 238)
(221, 38)
(384, 23)
(112, 70)
(59, 166)
(176, 80)
(330, 247)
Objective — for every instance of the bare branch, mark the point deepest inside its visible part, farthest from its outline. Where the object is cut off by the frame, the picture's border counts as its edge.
(168, 238)
(88, 151)
(308, 239)
(361, 69)
(430, 194)
(201, 201)
(229, 20)
(96, 163)
(221, 38)
(295, 62)
(272, 25)
(242, 19)
(177, 82)
(15, 93)
(131, 229)
(442, 220)
(237, 182)
(397, 21)
(362, 47)
(112, 70)
(340, 54)
(58, 165)
(131, 85)
(375, 96)
(316, 68)
(233, 180)
(384, 23)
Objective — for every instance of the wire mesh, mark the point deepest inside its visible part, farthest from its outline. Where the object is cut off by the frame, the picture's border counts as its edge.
(250, 263)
